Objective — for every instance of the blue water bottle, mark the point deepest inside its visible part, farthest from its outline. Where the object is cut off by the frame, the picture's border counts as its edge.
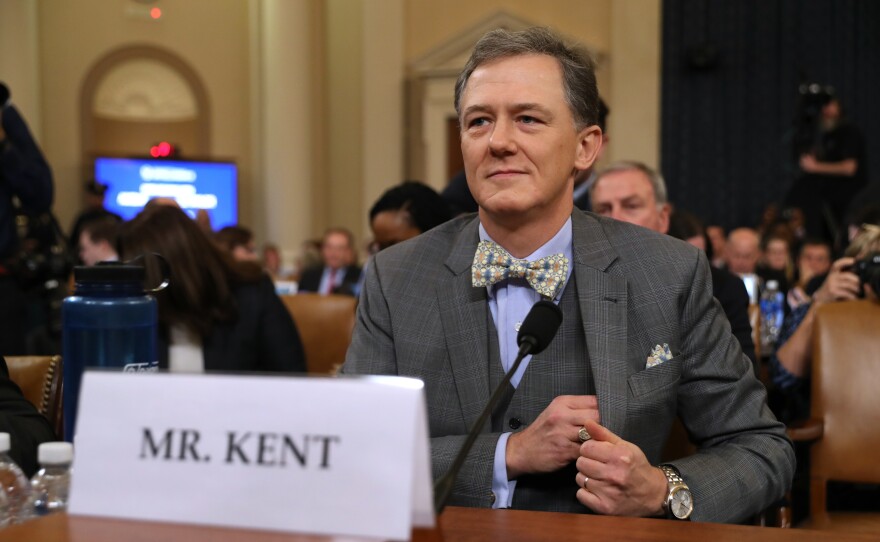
(109, 321)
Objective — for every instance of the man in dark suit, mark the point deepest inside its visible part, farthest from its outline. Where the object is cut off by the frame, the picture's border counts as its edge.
(339, 274)
(634, 193)
(641, 340)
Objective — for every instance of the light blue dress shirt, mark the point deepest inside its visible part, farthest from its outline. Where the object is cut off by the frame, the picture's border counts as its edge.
(509, 303)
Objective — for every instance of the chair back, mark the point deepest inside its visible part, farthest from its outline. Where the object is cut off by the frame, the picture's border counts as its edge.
(40, 380)
(846, 397)
(325, 324)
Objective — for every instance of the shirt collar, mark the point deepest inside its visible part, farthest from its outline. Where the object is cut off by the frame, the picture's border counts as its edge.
(561, 242)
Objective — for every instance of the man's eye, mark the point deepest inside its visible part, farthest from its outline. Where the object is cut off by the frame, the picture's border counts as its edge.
(526, 119)
(474, 123)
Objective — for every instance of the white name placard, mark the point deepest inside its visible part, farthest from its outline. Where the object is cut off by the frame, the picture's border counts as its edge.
(339, 456)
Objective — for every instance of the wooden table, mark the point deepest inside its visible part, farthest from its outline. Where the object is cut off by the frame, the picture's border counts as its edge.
(456, 524)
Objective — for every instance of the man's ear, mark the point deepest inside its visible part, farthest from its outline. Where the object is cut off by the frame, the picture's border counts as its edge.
(589, 143)
(665, 211)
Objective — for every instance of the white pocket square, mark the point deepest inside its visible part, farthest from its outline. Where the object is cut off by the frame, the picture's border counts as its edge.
(658, 355)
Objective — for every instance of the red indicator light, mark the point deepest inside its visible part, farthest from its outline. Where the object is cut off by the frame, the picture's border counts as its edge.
(154, 152)
(155, 13)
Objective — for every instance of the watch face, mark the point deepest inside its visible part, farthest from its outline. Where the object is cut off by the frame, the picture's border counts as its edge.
(682, 505)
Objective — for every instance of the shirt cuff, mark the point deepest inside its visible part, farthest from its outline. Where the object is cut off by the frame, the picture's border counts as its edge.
(502, 488)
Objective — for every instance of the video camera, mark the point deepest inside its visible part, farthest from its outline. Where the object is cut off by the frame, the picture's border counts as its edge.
(812, 97)
(868, 271)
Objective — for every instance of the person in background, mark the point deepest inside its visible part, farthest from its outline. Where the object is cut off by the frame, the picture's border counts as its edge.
(718, 240)
(93, 209)
(641, 339)
(776, 255)
(405, 211)
(97, 240)
(743, 251)
(272, 260)
(338, 274)
(238, 241)
(24, 175)
(814, 260)
(216, 314)
(833, 170)
(790, 364)
(634, 193)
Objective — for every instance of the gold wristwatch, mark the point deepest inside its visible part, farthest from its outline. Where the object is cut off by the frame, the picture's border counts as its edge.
(679, 503)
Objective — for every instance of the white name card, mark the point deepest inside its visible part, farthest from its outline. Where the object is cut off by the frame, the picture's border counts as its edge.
(338, 456)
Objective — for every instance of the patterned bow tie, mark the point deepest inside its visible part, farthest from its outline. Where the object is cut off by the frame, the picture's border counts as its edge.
(492, 264)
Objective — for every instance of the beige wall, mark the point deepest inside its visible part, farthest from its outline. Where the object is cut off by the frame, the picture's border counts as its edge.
(429, 23)
(210, 35)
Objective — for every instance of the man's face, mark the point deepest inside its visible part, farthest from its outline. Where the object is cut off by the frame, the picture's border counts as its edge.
(245, 253)
(518, 139)
(91, 253)
(776, 254)
(742, 253)
(335, 251)
(629, 197)
(814, 260)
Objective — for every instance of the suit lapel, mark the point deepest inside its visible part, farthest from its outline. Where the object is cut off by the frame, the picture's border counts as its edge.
(603, 300)
(464, 315)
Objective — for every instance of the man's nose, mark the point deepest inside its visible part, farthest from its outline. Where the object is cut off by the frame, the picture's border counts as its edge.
(502, 140)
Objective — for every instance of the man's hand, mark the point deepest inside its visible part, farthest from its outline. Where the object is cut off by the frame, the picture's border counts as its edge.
(551, 442)
(839, 285)
(621, 481)
(809, 163)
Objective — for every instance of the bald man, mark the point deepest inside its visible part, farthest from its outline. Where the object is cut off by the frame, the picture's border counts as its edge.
(743, 251)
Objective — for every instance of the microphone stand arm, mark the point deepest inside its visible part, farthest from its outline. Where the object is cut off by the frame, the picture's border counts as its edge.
(443, 486)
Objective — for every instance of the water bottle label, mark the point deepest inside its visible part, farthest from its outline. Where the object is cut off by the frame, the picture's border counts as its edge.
(144, 367)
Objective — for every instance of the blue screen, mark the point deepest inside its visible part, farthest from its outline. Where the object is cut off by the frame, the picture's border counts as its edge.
(132, 182)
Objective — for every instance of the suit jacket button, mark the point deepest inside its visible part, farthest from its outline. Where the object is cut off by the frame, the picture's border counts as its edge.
(514, 423)
(491, 498)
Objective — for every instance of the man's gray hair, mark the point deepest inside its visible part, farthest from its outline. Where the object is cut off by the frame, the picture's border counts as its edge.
(657, 183)
(578, 72)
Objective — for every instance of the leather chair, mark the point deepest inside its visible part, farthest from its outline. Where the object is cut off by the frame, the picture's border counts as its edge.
(40, 380)
(845, 409)
(325, 324)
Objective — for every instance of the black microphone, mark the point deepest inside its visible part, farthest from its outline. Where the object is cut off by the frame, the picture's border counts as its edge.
(4, 95)
(537, 330)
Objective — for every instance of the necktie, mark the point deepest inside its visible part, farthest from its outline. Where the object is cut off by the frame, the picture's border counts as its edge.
(492, 264)
(331, 281)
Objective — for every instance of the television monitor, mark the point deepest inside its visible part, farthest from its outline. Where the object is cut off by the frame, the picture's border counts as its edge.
(195, 185)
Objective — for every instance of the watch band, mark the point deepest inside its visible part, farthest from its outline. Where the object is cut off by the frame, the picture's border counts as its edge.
(672, 476)
(673, 481)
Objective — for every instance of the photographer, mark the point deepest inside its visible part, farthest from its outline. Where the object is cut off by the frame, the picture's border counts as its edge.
(25, 181)
(831, 160)
(853, 276)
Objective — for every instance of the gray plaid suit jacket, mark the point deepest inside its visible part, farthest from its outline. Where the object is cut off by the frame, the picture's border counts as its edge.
(419, 316)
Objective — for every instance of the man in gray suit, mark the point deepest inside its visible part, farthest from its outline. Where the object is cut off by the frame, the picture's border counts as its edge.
(642, 339)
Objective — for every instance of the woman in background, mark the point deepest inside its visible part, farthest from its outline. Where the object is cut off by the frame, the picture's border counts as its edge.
(216, 314)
